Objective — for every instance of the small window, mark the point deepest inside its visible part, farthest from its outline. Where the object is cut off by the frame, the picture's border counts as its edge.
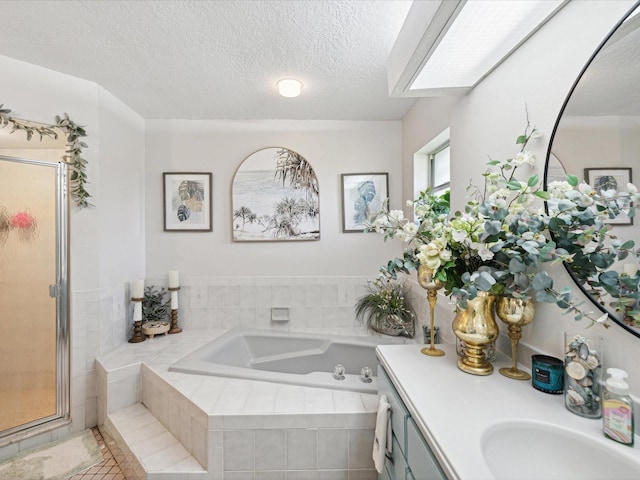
(440, 169)
(432, 166)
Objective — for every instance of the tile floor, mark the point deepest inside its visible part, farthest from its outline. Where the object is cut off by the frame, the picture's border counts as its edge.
(108, 469)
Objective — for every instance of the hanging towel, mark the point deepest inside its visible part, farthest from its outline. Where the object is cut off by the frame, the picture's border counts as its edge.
(382, 440)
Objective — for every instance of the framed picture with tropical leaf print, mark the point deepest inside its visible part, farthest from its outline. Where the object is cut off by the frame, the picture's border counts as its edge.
(363, 194)
(609, 178)
(187, 202)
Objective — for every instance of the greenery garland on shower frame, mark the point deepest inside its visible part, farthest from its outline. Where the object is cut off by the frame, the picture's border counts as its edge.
(73, 152)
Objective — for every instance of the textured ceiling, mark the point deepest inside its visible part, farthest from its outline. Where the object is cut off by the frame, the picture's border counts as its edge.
(218, 59)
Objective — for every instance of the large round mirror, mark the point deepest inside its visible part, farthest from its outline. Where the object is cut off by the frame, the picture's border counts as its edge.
(597, 134)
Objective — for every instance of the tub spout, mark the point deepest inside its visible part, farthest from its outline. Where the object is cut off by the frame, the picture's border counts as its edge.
(338, 372)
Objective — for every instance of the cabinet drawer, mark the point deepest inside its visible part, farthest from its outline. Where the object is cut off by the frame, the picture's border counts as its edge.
(420, 458)
(399, 413)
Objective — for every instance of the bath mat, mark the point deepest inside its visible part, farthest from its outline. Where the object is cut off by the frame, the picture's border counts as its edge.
(54, 461)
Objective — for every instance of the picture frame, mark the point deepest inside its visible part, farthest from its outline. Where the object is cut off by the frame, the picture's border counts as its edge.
(607, 178)
(275, 197)
(187, 201)
(363, 194)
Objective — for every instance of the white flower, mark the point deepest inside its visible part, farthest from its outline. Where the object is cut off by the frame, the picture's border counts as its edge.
(396, 215)
(586, 189)
(525, 157)
(409, 203)
(410, 228)
(484, 253)
(459, 235)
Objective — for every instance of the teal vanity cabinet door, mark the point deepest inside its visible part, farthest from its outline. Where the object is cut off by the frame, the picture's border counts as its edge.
(399, 412)
(412, 459)
(384, 475)
(397, 465)
(420, 457)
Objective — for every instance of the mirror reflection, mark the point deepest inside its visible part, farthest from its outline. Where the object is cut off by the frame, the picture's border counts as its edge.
(597, 137)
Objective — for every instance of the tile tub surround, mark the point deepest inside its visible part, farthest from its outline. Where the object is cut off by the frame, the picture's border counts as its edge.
(234, 428)
(227, 302)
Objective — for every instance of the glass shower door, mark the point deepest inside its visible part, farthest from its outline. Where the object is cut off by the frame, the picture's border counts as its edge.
(33, 338)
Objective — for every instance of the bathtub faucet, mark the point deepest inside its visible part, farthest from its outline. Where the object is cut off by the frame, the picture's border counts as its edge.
(338, 372)
(365, 375)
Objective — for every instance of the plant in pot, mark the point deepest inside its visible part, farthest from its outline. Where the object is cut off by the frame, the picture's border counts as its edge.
(385, 309)
(155, 311)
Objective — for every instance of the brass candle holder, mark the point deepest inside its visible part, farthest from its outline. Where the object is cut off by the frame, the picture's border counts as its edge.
(515, 312)
(431, 285)
(174, 314)
(137, 324)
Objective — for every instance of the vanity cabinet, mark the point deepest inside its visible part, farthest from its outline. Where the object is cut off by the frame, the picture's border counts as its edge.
(411, 457)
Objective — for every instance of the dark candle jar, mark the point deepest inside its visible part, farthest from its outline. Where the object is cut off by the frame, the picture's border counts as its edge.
(547, 374)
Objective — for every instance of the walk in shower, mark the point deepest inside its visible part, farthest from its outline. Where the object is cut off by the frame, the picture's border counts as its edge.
(34, 337)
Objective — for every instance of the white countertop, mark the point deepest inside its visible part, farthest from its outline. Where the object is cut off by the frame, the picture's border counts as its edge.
(453, 408)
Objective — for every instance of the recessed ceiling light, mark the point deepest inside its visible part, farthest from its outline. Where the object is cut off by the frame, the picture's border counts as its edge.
(289, 87)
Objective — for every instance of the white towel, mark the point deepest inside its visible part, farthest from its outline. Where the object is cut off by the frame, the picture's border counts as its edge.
(382, 441)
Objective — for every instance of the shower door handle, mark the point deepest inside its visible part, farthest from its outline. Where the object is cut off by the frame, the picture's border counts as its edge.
(53, 290)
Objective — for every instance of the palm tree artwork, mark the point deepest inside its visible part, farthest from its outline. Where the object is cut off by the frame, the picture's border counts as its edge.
(275, 196)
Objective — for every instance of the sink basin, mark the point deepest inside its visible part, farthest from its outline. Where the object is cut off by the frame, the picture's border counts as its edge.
(536, 450)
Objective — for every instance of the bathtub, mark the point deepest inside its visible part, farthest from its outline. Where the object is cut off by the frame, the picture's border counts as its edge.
(304, 359)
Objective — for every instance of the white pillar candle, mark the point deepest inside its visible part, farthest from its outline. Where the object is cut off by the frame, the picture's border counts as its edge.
(630, 269)
(173, 279)
(137, 291)
(174, 300)
(137, 311)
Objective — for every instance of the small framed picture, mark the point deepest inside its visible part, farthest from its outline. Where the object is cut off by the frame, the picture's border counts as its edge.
(363, 195)
(187, 202)
(615, 178)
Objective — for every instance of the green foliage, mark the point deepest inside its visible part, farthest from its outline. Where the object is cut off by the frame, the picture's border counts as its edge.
(156, 304)
(498, 243)
(73, 152)
(385, 304)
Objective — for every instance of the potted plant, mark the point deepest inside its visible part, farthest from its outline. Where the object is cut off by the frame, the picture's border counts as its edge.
(385, 309)
(155, 310)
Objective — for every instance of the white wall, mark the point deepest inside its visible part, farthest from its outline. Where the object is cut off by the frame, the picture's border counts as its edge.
(488, 120)
(122, 186)
(332, 148)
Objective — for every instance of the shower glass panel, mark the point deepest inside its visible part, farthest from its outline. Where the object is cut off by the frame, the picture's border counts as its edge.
(34, 340)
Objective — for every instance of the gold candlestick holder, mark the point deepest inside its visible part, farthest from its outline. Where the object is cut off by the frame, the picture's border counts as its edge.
(174, 315)
(137, 324)
(431, 285)
(515, 312)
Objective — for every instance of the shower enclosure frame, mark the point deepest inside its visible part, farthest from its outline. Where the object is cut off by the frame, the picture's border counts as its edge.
(59, 291)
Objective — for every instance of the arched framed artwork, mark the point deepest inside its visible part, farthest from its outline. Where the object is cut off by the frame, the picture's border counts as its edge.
(275, 197)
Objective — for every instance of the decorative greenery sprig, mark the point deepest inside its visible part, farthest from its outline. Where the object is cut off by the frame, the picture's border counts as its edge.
(155, 306)
(73, 153)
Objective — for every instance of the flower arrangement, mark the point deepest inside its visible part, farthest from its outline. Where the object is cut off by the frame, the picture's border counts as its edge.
(384, 308)
(497, 243)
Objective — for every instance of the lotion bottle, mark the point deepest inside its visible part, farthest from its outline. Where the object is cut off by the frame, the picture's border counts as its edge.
(617, 408)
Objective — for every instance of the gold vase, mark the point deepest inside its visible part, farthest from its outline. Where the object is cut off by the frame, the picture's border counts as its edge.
(431, 284)
(476, 326)
(516, 313)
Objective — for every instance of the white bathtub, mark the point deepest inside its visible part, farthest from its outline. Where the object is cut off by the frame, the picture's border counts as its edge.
(295, 358)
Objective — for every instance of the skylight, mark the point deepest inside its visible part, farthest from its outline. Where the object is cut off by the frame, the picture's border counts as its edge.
(463, 41)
